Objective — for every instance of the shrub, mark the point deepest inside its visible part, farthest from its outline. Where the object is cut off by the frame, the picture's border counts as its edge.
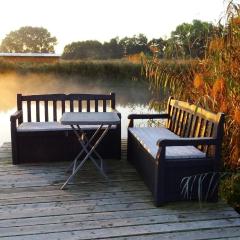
(230, 190)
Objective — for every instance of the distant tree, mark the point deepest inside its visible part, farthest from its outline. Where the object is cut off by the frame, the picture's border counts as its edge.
(173, 49)
(157, 47)
(192, 37)
(83, 50)
(112, 49)
(135, 44)
(29, 39)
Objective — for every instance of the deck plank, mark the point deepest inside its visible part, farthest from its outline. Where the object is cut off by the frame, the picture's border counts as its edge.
(33, 207)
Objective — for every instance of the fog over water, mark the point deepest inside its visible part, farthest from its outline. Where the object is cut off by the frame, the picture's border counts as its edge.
(131, 96)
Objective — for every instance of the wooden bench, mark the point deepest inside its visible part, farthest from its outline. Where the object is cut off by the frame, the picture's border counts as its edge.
(38, 136)
(190, 144)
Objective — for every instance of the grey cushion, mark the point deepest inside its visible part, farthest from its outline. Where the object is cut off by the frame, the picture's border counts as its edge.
(148, 137)
(49, 126)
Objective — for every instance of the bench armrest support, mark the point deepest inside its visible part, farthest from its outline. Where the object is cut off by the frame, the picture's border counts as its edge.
(187, 141)
(16, 116)
(131, 117)
(163, 143)
(14, 119)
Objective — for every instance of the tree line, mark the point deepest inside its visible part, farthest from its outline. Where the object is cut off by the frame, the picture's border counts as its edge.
(188, 40)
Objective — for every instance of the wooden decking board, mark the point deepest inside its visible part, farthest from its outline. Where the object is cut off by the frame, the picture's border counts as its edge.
(213, 234)
(73, 197)
(109, 231)
(58, 182)
(150, 213)
(33, 207)
(157, 223)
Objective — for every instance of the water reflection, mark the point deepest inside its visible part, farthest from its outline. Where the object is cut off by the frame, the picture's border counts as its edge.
(130, 96)
(11, 84)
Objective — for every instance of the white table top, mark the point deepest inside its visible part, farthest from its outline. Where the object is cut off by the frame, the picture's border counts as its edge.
(90, 118)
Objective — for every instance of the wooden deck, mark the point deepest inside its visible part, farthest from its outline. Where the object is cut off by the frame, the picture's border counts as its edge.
(33, 207)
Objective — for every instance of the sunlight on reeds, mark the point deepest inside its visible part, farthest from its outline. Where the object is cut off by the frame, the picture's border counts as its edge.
(213, 82)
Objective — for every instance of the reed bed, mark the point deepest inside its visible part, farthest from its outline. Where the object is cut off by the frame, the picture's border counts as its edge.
(115, 70)
(214, 83)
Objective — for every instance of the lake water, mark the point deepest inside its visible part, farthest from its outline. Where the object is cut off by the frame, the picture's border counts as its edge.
(131, 96)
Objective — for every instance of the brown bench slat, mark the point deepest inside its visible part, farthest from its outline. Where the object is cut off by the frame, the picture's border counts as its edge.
(96, 105)
(54, 110)
(63, 106)
(37, 111)
(71, 105)
(46, 110)
(88, 106)
(29, 118)
(80, 105)
(104, 105)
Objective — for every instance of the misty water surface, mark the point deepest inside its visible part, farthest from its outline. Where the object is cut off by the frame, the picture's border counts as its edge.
(131, 96)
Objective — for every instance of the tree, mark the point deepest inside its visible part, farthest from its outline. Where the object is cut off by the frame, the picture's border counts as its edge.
(135, 44)
(157, 47)
(29, 39)
(112, 49)
(83, 50)
(193, 37)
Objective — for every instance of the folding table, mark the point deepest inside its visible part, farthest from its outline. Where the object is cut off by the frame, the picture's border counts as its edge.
(104, 121)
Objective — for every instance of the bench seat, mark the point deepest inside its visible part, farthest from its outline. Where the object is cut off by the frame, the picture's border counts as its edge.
(50, 126)
(148, 137)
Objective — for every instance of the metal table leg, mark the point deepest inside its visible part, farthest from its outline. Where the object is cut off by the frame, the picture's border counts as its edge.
(76, 167)
(80, 139)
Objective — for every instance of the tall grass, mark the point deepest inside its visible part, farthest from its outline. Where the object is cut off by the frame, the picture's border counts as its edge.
(114, 70)
(213, 83)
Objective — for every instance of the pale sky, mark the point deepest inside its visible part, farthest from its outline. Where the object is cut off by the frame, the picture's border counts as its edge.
(78, 20)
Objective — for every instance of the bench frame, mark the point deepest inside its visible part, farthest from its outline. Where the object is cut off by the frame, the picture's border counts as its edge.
(59, 145)
(196, 127)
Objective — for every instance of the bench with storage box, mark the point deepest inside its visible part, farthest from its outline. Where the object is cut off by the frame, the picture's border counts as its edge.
(190, 144)
(38, 136)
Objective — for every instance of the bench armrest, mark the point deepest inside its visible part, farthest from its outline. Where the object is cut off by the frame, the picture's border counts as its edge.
(14, 118)
(187, 141)
(131, 117)
(16, 115)
(116, 111)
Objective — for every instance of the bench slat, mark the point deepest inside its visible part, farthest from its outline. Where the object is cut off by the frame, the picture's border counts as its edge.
(104, 105)
(88, 106)
(181, 124)
(203, 132)
(63, 106)
(184, 129)
(37, 111)
(29, 117)
(80, 105)
(96, 105)
(209, 133)
(193, 125)
(71, 105)
(46, 110)
(171, 120)
(54, 110)
(177, 121)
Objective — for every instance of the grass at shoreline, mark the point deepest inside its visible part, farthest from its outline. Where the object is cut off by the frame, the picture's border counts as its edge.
(115, 69)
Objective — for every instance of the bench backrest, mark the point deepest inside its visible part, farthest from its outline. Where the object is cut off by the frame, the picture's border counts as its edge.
(188, 120)
(50, 107)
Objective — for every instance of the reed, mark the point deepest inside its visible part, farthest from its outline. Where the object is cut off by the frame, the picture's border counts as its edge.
(213, 83)
(114, 70)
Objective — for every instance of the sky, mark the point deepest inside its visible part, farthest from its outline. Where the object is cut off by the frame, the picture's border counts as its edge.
(79, 20)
